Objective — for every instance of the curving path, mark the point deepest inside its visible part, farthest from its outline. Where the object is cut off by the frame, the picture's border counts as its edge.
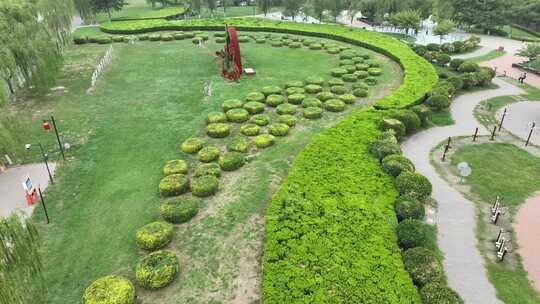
(520, 114)
(456, 219)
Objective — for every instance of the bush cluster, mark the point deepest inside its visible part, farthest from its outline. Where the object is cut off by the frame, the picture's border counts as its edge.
(408, 207)
(278, 129)
(423, 266)
(334, 105)
(264, 140)
(203, 186)
(218, 130)
(208, 169)
(254, 107)
(110, 290)
(208, 154)
(289, 120)
(412, 233)
(176, 166)
(231, 161)
(180, 210)
(413, 184)
(173, 185)
(395, 164)
(157, 270)
(238, 115)
(192, 145)
(154, 236)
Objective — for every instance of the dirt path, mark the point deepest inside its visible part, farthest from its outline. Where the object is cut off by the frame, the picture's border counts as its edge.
(456, 218)
(527, 229)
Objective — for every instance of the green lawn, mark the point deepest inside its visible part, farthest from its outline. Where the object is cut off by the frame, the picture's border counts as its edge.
(513, 174)
(150, 99)
(138, 9)
(519, 34)
(535, 64)
(487, 57)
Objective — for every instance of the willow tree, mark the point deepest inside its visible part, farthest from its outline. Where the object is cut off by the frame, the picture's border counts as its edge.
(32, 34)
(20, 264)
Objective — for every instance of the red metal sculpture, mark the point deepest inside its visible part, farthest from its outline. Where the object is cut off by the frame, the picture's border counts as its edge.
(232, 60)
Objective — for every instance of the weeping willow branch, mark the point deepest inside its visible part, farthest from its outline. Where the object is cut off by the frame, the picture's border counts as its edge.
(20, 265)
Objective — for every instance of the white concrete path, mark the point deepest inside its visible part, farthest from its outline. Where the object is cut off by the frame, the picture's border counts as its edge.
(11, 191)
(520, 115)
(456, 219)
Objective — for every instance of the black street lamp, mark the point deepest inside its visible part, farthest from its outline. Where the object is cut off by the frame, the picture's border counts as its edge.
(45, 158)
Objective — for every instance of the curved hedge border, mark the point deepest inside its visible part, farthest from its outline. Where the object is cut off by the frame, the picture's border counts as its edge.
(419, 78)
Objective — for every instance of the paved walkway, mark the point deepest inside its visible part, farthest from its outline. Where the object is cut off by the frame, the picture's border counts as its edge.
(11, 192)
(527, 229)
(520, 115)
(456, 219)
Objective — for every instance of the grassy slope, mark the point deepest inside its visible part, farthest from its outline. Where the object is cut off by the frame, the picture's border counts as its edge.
(109, 191)
(514, 174)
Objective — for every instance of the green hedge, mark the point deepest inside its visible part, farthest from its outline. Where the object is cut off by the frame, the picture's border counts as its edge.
(110, 290)
(330, 227)
(154, 236)
(179, 210)
(420, 75)
(157, 270)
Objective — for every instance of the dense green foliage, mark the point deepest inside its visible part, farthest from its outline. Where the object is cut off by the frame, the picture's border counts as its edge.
(154, 236)
(179, 210)
(413, 184)
(110, 290)
(423, 266)
(174, 184)
(395, 164)
(437, 293)
(412, 233)
(408, 207)
(419, 78)
(157, 270)
(320, 213)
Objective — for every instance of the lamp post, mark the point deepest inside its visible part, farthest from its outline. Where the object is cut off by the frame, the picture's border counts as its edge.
(45, 158)
(47, 126)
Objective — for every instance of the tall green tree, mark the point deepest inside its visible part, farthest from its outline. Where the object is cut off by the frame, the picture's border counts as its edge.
(292, 7)
(486, 14)
(443, 28)
(531, 51)
(408, 19)
(211, 4)
(318, 7)
(85, 10)
(336, 7)
(195, 6)
(108, 6)
(265, 5)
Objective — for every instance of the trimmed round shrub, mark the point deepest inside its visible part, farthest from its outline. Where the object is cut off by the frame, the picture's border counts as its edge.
(333, 51)
(315, 80)
(220, 40)
(438, 102)
(371, 81)
(395, 164)
(409, 119)
(338, 72)
(294, 84)
(154, 236)
(154, 37)
(238, 115)
(422, 265)
(382, 148)
(179, 210)
(388, 136)
(218, 130)
(289, 120)
(260, 40)
(350, 68)
(203, 186)
(157, 270)
(313, 89)
(362, 67)
(192, 145)
(361, 74)
(207, 169)
(358, 59)
(255, 96)
(393, 124)
(412, 233)
(438, 293)
(208, 154)
(167, 38)
(350, 78)
(231, 161)
(277, 43)
(110, 290)
(334, 105)
(238, 144)
(274, 100)
(189, 34)
(215, 117)
(324, 96)
(294, 91)
(313, 112)
(260, 119)
(286, 109)
(197, 40)
(456, 63)
(348, 98)
(414, 184)
(250, 129)
(264, 140)
(443, 59)
(348, 54)
(360, 85)
(374, 65)
(173, 185)
(232, 104)
(254, 107)
(408, 207)
(338, 90)
(315, 46)
(296, 98)
(375, 71)
(468, 67)
(295, 45)
(278, 129)
(336, 82)
(423, 112)
(311, 102)
(271, 90)
(177, 166)
(346, 62)
(360, 92)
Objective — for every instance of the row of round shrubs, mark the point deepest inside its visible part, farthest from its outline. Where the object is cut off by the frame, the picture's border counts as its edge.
(423, 266)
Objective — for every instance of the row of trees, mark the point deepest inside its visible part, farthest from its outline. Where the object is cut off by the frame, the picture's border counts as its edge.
(32, 36)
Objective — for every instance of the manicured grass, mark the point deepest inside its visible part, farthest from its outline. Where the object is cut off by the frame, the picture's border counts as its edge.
(519, 34)
(139, 9)
(235, 11)
(513, 174)
(149, 100)
(442, 118)
(535, 64)
(501, 170)
(487, 57)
